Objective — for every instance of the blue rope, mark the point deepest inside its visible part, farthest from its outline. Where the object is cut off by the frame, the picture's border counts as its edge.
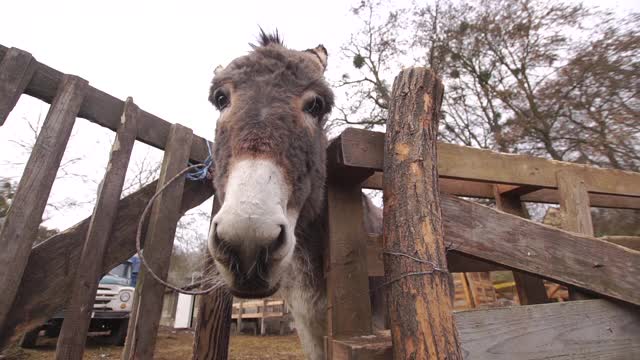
(201, 173)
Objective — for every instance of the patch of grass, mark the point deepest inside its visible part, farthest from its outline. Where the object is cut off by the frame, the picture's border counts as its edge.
(172, 345)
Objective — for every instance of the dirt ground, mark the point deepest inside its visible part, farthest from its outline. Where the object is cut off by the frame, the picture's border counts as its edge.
(177, 346)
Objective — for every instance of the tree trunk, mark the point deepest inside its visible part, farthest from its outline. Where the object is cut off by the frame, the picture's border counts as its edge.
(419, 284)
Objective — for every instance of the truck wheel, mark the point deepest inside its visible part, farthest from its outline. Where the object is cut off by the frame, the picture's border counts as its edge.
(118, 333)
(30, 339)
(53, 330)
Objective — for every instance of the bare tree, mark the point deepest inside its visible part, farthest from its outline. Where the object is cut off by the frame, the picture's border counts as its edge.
(528, 76)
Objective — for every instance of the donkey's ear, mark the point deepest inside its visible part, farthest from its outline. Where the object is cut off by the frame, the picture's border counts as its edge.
(218, 70)
(319, 53)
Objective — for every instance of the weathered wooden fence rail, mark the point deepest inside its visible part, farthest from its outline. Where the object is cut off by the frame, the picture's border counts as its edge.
(37, 281)
(506, 238)
(58, 264)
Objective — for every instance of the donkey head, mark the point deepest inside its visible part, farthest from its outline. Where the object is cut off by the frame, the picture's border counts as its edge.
(270, 160)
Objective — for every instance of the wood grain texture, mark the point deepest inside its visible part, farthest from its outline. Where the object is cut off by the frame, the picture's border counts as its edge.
(53, 263)
(105, 110)
(419, 284)
(591, 329)
(551, 196)
(632, 242)
(575, 212)
(213, 324)
(368, 347)
(163, 219)
(456, 262)
(348, 305)
(16, 70)
(530, 288)
(484, 190)
(25, 214)
(562, 256)
(73, 335)
(364, 149)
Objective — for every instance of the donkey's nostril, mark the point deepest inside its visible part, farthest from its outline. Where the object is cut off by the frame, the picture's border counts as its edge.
(279, 242)
(216, 237)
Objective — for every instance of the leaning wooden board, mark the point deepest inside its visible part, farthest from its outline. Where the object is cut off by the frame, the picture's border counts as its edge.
(52, 264)
(589, 329)
(586, 262)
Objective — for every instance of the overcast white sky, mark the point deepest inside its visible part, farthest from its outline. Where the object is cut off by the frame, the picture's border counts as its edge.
(160, 52)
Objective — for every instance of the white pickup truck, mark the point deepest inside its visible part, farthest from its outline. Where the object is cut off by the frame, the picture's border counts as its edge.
(111, 309)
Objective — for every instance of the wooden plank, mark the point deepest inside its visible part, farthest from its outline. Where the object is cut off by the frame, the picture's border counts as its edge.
(163, 219)
(632, 242)
(78, 310)
(467, 290)
(591, 329)
(530, 288)
(258, 315)
(364, 149)
(105, 110)
(575, 212)
(25, 214)
(551, 196)
(16, 70)
(456, 262)
(552, 253)
(239, 318)
(348, 305)
(484, 190)
(263, 314)
(368, 347)
(337, 171)
(52, 264)
(419, 285)
(213, 324)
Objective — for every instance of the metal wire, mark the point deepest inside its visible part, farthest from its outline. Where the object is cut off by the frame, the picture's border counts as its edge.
(139, 235)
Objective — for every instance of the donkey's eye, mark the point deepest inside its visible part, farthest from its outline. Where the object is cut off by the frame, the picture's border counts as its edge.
(314, 107)
(221, 100)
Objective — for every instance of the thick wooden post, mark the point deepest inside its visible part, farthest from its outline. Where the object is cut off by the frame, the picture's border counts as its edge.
(530, 288)
(78, 311)
(418, 291)
(25, 215)
(575, 213)
(16, 69)
(147, 307)
(348, 305)
(213, 324)
(575, 209)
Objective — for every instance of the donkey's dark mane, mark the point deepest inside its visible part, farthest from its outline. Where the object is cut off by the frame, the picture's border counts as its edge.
(265, 39)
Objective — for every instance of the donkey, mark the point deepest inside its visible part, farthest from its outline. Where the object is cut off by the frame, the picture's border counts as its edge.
(270, 174)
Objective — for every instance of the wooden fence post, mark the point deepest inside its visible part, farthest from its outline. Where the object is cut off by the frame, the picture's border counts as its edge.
(418, 291)
(575, 213)
(16, 70)
(25, 215)
(530, 288)
(213, 325)
(239, 318)
(262, 324)
(165, 213)
(78, 310)
(348, 304)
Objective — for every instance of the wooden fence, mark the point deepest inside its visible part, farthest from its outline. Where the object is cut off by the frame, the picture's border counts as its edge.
(453, 235)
